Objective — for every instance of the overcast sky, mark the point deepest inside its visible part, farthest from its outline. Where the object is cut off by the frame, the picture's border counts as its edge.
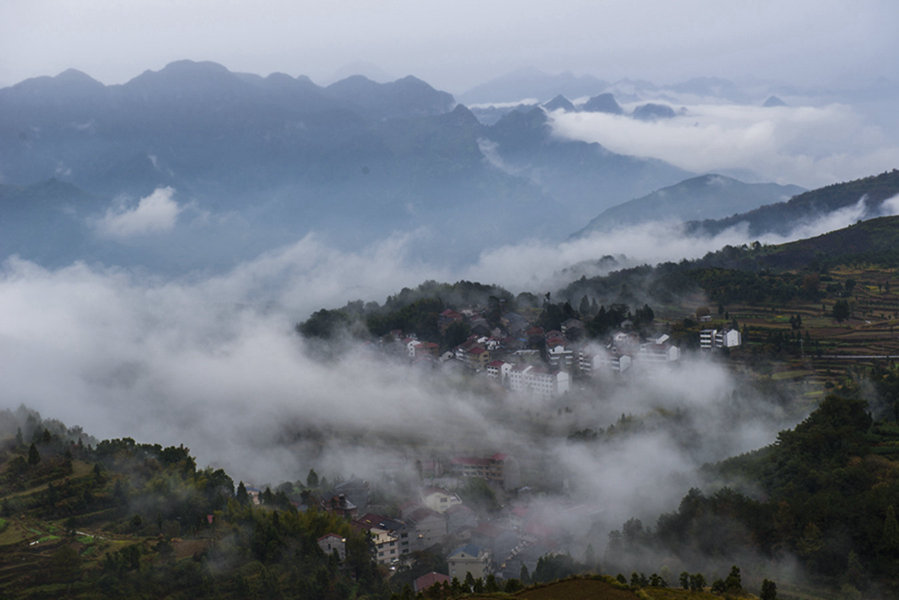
(456, 45)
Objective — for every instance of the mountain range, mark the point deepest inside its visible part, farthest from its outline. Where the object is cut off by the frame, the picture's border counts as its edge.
(698, 198)
(246, 163)
(265, 160)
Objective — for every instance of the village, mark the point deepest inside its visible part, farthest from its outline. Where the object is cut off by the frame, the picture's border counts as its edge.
(473, 515)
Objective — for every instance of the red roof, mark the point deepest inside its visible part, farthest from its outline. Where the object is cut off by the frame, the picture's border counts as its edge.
(429, 579)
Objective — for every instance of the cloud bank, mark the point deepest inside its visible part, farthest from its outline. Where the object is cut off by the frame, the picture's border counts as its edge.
(805, 145)
(156, 213)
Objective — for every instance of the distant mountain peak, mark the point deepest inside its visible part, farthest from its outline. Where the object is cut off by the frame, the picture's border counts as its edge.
(605, 103)
(560, 102)
(773, 101)
(652, 112)
(74, 75)
(186, 74)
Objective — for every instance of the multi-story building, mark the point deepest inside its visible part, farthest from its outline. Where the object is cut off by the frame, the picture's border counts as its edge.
(719, 338)
(468, 559)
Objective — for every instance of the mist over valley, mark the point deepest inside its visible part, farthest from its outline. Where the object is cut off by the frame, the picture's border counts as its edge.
(344, 336)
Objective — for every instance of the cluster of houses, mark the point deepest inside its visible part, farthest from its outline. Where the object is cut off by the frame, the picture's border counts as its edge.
(439, 520)
(525, 359)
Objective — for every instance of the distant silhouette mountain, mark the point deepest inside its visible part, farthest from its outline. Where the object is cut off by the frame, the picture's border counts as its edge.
(602, 103)
(783, 217)
(39, 219)
(652, 112)
(704, 197)
(560, 102)
(774, 101)
(586, 175)
(404, 97)
(533, 83)
(283, 156)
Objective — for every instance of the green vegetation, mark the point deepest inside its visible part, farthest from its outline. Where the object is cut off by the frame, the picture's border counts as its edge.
(827, 498)
(127, 520)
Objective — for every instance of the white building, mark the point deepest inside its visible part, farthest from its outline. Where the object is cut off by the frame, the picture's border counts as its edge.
(537, 381)
(719, 338)
(468, 559)
(659, 350)
(590, 363)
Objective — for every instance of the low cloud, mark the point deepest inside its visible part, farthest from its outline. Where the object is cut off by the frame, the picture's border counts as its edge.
(195, 363)
(804, 145)
(156, 213)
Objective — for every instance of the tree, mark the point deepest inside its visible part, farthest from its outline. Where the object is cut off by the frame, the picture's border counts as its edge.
(733, 584)
(685, 580)
(468, 584)
(34, 456)
(769, 590)
(243, 497)
(841, 311)
(312, 479)
(697, 582)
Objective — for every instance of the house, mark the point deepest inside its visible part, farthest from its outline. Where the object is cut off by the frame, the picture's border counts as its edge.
(355, 490)
(477, 358)
(340, 505)
(499, 468)
(447, 318)
(254, 494)
(387, 545)
(437, 499)
(468, 559)
(590, 363)
(391, 537)
(715, 338)
(514, 323)
(494, 369)
(460, 517)
(429, 580)
(331, 542)
(659, 350)
(538, 381)
(560, 356)
(426, 528)
(418, 349)
(573, 329)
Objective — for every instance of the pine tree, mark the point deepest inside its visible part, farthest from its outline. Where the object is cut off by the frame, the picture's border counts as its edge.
(34, 456)
(769, 590)
(733, 584)
(312, 479)
(243, 498)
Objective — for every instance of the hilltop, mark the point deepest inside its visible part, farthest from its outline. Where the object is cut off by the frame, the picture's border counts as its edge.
(705, 197)
(867, 194)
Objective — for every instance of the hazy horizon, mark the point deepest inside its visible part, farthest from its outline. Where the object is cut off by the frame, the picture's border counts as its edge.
(456, 47)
